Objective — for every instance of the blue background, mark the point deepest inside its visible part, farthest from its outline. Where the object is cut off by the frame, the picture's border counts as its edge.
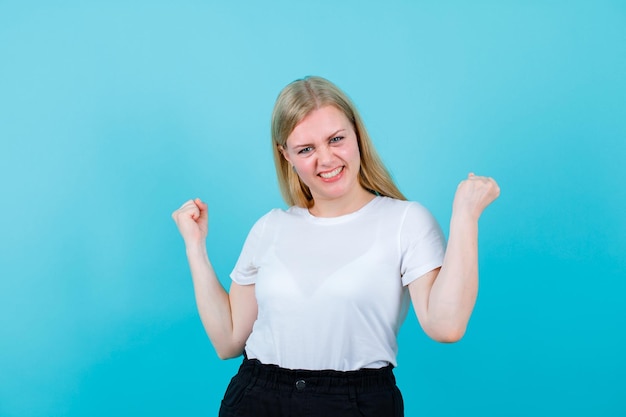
(114, 113)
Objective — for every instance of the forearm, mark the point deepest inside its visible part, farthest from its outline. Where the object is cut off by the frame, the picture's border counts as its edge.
(453, 294)
(213, 302)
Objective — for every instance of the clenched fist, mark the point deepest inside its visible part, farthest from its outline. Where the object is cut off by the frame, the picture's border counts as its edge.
(192, 219)
(474, 194)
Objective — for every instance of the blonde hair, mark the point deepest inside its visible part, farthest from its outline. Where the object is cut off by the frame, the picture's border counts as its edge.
(293, 104)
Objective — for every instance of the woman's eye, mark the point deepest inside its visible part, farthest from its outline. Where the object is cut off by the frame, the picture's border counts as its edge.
(336, 139)
(305, 150)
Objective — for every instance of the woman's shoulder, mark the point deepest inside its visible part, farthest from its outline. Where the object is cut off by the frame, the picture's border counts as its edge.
(405, 211)
(277, 214)
(400, 205)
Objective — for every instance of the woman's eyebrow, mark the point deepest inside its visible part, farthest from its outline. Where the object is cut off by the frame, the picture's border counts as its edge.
(302, 145)
(332, 135)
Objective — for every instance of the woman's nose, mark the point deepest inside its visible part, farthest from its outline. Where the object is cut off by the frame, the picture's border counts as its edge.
(325, 155)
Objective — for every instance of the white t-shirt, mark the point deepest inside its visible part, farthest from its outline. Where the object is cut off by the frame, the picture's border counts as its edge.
(332, 292)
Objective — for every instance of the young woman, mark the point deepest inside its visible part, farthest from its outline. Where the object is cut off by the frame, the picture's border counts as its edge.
(320, 290)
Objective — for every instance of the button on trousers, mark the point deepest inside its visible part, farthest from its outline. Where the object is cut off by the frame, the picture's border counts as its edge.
(260, 390)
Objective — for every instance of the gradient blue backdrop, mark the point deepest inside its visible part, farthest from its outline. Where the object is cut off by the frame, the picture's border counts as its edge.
(112, 113)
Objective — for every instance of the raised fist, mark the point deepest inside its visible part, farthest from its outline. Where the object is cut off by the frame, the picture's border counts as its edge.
(474, 194)
(192, 220)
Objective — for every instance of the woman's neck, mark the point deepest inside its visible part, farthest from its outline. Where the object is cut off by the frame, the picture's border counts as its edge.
(341, 206)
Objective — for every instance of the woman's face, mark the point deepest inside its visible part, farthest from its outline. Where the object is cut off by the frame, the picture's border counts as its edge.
(324, 151)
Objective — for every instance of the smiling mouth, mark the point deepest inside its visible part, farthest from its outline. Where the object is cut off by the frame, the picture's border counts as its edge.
(331, 174)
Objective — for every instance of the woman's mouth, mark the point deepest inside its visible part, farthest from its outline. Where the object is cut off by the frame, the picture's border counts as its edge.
(331, 174)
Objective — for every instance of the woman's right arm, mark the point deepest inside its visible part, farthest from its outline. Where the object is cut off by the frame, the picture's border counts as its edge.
(227, 318)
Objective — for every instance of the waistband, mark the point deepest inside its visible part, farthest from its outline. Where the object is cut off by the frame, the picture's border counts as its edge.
(324, 381)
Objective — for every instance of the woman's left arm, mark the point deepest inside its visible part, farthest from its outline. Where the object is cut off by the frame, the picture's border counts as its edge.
(444, 298)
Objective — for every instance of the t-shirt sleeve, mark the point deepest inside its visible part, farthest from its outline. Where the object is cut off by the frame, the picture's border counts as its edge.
(422, 243)
(247, 265)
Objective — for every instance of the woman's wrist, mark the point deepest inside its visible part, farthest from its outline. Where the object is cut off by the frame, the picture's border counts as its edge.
(195, 249)
(463, 217)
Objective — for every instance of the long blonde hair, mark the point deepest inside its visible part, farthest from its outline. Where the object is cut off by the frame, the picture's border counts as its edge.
(293, 104)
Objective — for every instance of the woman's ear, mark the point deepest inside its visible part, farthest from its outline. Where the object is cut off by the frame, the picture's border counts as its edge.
(283, 151)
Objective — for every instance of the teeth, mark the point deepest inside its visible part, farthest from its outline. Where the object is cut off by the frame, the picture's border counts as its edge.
(332, 173)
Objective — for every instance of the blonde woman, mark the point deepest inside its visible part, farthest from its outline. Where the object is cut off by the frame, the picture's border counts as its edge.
(320, 290)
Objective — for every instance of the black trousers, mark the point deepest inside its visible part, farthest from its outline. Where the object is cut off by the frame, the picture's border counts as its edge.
(260, 390)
